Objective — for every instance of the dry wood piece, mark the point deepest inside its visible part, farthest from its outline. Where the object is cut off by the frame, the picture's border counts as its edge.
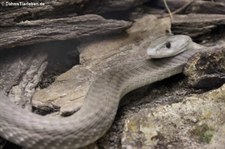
(207, 7)
(52, 8)
(195, 6)
(31, 32)
(103, 6)
(173, 4)
(196, 24)
(61, 8)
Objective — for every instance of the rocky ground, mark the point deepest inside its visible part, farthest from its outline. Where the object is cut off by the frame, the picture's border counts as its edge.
(54, 64)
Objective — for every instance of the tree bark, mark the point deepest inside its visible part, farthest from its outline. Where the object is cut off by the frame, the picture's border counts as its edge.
(37, 31)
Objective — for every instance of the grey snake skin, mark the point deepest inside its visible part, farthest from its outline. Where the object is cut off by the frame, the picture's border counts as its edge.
(98, 112)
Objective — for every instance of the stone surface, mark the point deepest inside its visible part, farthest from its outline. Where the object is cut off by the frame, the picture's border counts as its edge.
(20, 72)
(206, 69)
(43, 30)
(196, 121)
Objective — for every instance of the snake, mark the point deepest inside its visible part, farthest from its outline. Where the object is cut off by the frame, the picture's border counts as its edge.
(166, 57)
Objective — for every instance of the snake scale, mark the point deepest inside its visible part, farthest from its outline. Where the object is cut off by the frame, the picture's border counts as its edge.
(101, 102)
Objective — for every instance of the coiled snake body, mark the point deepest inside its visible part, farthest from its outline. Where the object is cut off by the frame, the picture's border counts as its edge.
(101, 102)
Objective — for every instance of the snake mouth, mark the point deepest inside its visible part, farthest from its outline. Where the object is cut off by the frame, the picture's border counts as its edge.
(182, 49)
(157, 55)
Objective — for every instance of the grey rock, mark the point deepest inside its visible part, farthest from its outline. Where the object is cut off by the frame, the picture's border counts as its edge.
(206, 69)
(194, 122)
(20, 72)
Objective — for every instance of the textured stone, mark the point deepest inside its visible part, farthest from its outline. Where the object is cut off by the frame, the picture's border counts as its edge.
(206, 69)
(20, 73)
(197, 121)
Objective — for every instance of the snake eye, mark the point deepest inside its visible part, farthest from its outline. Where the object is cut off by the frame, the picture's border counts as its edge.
(168, 44)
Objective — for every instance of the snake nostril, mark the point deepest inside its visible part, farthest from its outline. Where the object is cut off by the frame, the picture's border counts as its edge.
(168, 44)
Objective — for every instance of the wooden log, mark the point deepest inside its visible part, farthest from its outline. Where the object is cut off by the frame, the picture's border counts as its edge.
(60, 8)
(172, 4)
(32, 32)
(103, 6)
(195, 25)
(193, 6)
(52, 8)
(206, 7)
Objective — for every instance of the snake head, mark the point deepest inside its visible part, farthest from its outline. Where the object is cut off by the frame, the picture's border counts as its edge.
(168, 46)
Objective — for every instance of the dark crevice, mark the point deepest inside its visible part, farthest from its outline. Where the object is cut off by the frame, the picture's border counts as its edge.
(62, 56)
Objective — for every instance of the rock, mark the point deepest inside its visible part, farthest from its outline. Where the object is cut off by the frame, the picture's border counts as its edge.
(20, 72)
(206, 69)
(70, 88)
(43, 30)
(196, 121)
(92, 146)
(62, 56)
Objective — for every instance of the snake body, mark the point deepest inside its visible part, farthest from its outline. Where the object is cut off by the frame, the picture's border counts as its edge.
(99, 109)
